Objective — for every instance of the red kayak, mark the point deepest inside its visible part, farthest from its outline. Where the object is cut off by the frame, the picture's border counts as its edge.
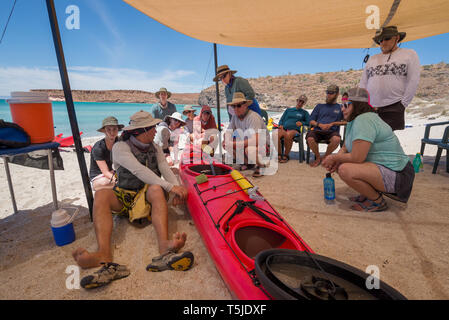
(65, 142)
(234, 225)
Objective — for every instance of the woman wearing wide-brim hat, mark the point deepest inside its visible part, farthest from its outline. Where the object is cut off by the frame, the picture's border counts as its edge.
(164, 107)
(167, 134)
(101, 173)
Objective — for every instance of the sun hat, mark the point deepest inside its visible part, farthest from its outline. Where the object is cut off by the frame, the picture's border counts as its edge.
(263, 106)
(221, 70)
(141, 119)
(333, 87)
(359, 94)
(163, 90)
(110, 121)
(188, 108)
(238, 97)
(388, 32)
(303, 97)
(176, 116)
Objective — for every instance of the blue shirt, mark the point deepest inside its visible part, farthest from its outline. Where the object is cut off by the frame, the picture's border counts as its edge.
(327, 113)
(293, 115)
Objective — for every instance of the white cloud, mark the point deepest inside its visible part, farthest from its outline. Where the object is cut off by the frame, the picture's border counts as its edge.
(95, 78)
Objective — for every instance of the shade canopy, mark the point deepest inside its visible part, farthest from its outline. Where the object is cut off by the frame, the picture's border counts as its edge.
(297, 23)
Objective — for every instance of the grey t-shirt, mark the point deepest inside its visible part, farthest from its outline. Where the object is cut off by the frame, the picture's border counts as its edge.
(158, 112)
(251, 121)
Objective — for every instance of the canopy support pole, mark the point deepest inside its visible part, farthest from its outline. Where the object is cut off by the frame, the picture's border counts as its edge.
(218, 104)
(69, 103)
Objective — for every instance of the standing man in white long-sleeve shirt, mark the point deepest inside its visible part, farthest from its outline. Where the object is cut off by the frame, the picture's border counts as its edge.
(391, 77)
(138, 162)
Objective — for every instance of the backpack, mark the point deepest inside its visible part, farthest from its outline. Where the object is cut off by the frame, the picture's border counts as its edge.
(13, 136)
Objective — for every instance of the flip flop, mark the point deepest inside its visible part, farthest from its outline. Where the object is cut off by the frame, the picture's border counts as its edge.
(284, 159)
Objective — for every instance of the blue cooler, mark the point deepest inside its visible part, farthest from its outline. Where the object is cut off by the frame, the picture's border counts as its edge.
(62, 227)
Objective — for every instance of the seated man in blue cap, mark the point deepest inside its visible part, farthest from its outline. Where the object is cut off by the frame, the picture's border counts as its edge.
(325, 121)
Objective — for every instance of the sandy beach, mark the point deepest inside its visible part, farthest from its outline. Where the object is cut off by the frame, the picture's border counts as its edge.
(408, 242)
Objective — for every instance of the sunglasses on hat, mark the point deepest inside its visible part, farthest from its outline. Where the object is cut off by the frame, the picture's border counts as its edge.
(346, 104)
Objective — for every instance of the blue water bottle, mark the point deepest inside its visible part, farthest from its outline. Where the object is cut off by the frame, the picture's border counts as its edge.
(329, 189)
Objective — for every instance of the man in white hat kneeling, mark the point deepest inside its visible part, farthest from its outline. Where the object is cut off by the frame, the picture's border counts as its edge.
(140, 165)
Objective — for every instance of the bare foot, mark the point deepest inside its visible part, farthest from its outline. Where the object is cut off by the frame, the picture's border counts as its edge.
(85, 259)
(175, 245)
(315, 163)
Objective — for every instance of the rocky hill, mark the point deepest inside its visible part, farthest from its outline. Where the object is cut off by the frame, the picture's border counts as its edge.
(277, 92)
(124, 96)
(281, 91)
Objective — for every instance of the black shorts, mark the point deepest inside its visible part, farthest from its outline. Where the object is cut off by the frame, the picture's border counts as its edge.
(319, 135)
(393, 115)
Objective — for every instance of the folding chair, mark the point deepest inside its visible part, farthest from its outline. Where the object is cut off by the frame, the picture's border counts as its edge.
(442, 143)
(342, 141)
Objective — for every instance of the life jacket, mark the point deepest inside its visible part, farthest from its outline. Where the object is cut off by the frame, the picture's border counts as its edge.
(127, 180)
(13, 136)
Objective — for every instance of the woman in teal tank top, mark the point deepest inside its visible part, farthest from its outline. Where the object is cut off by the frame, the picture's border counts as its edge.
(371, 160)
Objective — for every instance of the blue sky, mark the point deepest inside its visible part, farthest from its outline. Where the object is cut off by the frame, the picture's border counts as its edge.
(117, 47)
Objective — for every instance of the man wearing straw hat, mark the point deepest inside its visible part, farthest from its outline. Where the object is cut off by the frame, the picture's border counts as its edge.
(140, 166)
(163, 108)
(391, 77)
(246, 128)
(236, 84)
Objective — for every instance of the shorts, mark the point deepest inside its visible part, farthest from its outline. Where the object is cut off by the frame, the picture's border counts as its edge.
(398, 184)
(135, 205)
(393, 115)
(319, 135)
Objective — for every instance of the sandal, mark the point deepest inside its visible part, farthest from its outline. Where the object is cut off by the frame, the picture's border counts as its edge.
(109, 272)
(244, 167)
(256, 173)
(372, 205)
(171, 261)
(358, 198)
(284, 159)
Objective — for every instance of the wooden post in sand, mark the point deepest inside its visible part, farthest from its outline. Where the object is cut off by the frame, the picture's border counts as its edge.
(69, 102)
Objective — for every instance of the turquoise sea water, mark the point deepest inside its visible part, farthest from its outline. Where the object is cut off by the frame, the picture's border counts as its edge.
(90, 115)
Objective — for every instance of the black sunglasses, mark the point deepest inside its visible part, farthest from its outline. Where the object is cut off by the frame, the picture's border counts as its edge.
(207, 112)
(385, 39)
(237, 105)
(330, 92)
